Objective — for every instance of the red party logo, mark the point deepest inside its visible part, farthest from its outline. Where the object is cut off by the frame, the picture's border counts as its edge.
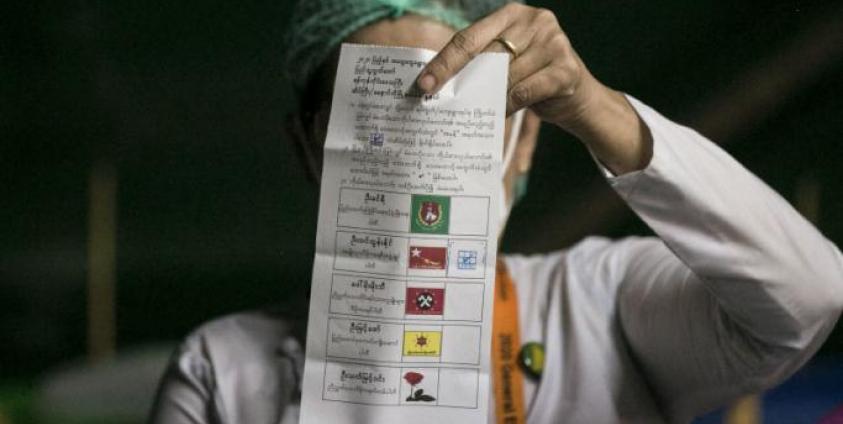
(428, 257)
(425, 301)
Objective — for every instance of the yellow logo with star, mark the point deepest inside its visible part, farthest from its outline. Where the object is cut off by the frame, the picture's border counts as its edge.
(422, 343)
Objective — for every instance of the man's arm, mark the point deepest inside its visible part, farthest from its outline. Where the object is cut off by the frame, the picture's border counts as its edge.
(742, 292)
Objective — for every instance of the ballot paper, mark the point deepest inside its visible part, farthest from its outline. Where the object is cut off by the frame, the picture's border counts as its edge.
(403, 279)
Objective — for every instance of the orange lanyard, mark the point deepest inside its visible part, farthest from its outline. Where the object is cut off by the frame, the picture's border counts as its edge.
(508, 378)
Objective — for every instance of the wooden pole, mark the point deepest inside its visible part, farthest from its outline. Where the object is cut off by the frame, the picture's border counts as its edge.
(102, 225)
(746, 410)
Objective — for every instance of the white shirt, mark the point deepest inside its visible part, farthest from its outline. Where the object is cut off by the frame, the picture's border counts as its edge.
(735, 294)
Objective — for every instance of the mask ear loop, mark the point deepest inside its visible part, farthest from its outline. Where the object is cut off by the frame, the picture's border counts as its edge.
(508, 155)
(514, 133)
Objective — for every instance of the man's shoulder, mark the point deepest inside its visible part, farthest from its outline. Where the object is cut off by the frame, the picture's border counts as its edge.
(243, 367)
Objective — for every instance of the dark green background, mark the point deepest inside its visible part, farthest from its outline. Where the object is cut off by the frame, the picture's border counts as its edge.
(215, 212)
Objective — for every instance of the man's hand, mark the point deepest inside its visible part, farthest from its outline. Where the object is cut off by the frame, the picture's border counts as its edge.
(547, 76)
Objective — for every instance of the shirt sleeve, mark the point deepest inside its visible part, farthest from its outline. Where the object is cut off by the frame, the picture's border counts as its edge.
(740, 291)
(184, 394)
(242, 368)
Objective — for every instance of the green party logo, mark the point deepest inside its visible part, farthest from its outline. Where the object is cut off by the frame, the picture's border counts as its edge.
(430, 214)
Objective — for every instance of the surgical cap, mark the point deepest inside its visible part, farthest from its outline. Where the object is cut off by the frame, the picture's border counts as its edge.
(317, 27)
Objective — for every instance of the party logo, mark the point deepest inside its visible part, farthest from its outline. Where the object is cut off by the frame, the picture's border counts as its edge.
(422, 343)
(430, 214)
(415, 380)
(425, 301)
(428, 257)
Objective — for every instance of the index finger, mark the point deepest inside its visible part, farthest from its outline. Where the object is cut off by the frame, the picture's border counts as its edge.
(464, 46)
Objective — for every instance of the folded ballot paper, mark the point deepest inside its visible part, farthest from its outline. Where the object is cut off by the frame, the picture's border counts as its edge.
(403, 280)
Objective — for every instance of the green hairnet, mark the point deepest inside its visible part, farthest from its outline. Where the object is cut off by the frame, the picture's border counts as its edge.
(318, 26)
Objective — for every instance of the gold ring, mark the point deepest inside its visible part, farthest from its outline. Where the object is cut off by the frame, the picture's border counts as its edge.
(509, 46)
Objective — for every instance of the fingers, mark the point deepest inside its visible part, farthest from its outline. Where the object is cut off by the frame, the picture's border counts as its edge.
(463, 47)
(542, 73)
(548, 44)
(532, 61)
(535, 88)
(519, 33)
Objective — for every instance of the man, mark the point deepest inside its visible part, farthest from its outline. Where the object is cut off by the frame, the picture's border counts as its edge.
(734, 295)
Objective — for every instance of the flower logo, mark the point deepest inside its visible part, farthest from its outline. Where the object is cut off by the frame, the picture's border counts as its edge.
(414, 378)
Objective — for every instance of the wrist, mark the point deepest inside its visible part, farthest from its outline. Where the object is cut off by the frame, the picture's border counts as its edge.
(612, 130)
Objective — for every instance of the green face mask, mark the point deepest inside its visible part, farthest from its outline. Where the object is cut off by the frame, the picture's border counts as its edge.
(519, 189)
